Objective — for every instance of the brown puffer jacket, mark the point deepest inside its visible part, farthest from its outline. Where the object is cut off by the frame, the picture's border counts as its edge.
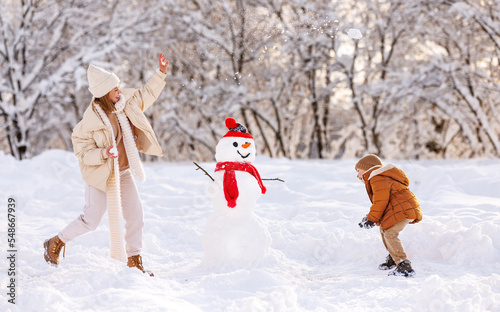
(392, 200)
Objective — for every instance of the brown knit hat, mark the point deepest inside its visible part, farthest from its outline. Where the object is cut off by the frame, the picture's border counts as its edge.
(367, 162)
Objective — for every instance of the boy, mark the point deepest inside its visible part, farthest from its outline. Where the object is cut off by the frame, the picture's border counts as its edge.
(393, 207)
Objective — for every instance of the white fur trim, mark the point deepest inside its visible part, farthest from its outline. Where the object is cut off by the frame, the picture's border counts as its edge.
(380, 170)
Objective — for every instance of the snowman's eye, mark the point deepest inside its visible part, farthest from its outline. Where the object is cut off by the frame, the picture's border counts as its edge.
(235, 144)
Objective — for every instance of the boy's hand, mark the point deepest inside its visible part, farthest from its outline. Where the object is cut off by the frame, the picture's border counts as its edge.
(365, 223)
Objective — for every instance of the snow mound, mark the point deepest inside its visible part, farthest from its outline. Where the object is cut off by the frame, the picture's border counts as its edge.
(319, 260)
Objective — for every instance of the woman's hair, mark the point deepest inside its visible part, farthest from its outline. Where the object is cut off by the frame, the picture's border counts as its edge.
(106, 104)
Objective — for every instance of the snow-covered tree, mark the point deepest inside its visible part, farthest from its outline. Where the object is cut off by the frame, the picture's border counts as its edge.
(45, 45)
(455, 79)
(420, 82)
(215, 73)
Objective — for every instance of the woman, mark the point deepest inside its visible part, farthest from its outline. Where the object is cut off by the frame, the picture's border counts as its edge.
(106, 142)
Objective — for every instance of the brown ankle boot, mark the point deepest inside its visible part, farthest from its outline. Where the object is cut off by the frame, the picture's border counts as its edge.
(53, 248)
(403, 269)
(136, 262)
(388, 264)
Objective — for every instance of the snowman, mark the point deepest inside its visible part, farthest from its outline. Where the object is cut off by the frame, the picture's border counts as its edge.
(234, 235)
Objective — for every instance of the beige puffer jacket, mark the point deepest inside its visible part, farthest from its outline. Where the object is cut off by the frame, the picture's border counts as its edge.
(90, 136)
(392, 200)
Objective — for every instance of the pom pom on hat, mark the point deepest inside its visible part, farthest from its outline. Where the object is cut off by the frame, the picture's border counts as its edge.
(236, 129)
(101, 81)
(231, 123)
(368, 162)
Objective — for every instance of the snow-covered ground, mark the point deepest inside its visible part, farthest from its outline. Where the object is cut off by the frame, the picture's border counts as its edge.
(320, 260)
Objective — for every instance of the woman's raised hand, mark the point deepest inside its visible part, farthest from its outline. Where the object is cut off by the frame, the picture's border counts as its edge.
(162, 59)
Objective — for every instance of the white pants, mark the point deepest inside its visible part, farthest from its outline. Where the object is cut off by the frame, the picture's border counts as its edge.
(95, 207)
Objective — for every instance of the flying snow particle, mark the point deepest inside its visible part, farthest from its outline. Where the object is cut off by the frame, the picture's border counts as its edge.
(354, 34)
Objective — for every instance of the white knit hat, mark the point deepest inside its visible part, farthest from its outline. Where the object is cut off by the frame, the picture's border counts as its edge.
(101, 81)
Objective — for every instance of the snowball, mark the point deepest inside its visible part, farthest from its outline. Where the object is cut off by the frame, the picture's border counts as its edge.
(113, 151)
(354, 34)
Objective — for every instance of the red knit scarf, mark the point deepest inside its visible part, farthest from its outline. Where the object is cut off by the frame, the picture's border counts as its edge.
(230, 185)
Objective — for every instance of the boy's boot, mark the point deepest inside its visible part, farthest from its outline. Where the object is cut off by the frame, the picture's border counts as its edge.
(53, 248)
(136, 262)
(403, 269)
(388, 264)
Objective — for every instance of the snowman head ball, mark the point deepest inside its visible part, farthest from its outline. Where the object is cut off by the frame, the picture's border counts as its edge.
(237, 145)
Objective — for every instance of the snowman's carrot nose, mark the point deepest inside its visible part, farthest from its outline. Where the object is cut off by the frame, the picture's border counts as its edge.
(246, 145)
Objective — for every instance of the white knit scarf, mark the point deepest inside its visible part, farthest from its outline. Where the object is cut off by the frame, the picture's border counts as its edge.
(113, 194)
